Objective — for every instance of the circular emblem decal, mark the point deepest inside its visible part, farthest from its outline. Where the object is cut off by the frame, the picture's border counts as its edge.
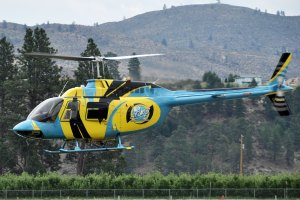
(139, 113)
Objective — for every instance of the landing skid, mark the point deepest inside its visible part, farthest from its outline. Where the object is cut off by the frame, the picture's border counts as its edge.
(77, 149)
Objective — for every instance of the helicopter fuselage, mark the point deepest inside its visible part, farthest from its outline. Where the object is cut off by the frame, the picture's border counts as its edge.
(106, 109)
(100, 110)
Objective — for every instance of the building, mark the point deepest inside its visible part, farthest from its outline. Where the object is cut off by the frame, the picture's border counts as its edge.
(246, 80)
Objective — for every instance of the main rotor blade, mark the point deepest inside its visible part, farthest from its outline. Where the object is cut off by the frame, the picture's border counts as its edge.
(91, 58)
(132, 56)
(57, 56)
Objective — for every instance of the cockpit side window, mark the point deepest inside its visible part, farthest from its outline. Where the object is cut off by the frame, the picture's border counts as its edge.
(70, 111)
(47, 111)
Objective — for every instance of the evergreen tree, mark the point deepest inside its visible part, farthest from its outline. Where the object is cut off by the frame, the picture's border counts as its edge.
(290, 150)
(212, 80)
(164, 42)
(7, 73)
(87, 69)
(164, 7)
(134, 69)
(191, 44)
(253, 83)
(276, 142)
(42, 81)
(113, 66)
(239, 109)
(231, 78)
(42, 74)
(294, 100)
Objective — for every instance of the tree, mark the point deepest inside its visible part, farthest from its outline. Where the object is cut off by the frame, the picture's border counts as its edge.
(212, 80)
(164, 42)
(134, 69)
(7, 72)
(4, 24)
(164, 7)
(191, 44)
(253, 83)
(42, 77)
(42, 74)
(112, 66)
(278, 13)
(290, 150)
(239, 109)
(87, 70)
(231, 78)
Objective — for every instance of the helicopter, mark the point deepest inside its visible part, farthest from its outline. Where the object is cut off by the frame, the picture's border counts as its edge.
(106, 109)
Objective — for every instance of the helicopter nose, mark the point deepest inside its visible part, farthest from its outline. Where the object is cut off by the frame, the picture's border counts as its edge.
(28, 129)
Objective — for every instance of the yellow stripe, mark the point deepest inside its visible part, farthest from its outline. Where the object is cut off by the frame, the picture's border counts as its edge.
(282, 68)
(35, 126)
(270, 93)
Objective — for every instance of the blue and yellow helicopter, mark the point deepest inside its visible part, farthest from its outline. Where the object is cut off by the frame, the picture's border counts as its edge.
(109, 109)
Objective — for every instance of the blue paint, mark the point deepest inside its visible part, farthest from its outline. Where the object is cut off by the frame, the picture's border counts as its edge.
(24, 126)
(51, 130)
(90, 89)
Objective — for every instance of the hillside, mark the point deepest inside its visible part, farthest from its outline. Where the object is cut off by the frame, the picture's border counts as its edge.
(222, 38)
(198, 38)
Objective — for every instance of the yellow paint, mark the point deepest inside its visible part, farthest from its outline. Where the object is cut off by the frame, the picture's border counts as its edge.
(120, 119)
(65, 125)
(97, 129)
(35, 126)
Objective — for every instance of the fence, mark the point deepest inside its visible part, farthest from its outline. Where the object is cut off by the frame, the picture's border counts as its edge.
(209, 193)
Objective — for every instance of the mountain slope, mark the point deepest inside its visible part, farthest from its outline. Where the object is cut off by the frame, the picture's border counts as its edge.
(197, 38)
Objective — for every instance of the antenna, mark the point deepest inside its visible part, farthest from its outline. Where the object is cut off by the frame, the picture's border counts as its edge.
(63, 88)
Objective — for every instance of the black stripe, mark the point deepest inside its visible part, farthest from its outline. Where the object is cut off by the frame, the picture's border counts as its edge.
(75, 130)
(150, 112)
(83, 130)
(127, 87)
(284, 113)
(283, 109)
(113, 86)
(128, 114)
(281, 61)
(107, 84)
(78, 128)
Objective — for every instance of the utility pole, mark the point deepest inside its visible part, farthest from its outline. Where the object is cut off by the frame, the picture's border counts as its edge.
(241, 155)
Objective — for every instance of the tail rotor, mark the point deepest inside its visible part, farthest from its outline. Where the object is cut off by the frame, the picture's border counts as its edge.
(277, 79)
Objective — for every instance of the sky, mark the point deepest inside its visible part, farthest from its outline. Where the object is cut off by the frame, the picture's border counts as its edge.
(89, 12)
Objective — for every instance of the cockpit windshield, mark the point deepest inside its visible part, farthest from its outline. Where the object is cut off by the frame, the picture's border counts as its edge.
(47, 110)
